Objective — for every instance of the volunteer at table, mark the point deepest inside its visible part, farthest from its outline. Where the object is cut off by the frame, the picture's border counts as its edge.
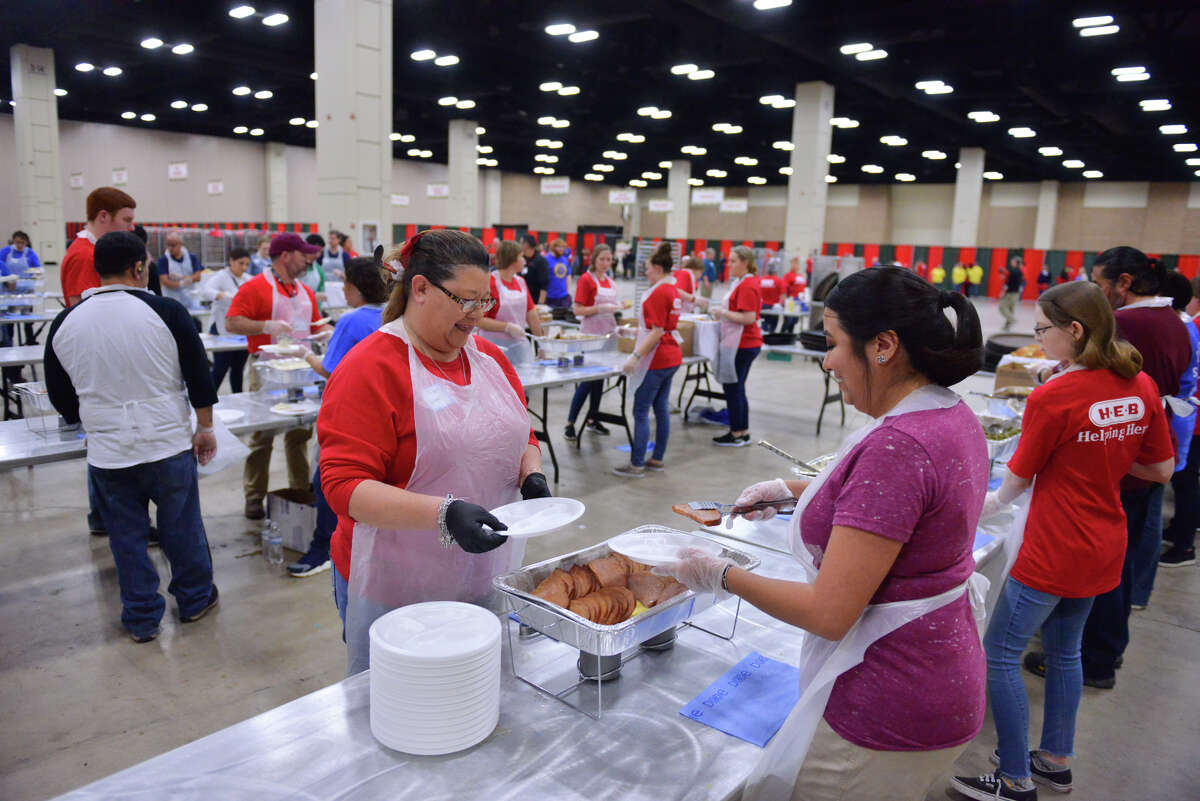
(685, 282)
(558, 291)
(17, 256)
(179, 270)
(771, 288)
(504, 324)
(890, 521)
(221, 289)
(596, 307)
(423, 428)
(655, 358)
(261, 260)
(1074, 536)
(795, 281)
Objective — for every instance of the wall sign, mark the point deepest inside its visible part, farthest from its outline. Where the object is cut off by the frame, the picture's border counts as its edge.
(437, 190)
(77, 180)
(400, 200)
(736, 205)
(708, 197)
(177, 171)
(120, 176)
(621, 197)
(216, 187)
(558, 185)
(661, 205)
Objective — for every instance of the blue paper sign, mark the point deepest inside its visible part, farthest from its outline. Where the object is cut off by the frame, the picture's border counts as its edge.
(751, 701)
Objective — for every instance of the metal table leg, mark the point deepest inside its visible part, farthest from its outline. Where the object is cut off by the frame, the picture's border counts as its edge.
(540, 431)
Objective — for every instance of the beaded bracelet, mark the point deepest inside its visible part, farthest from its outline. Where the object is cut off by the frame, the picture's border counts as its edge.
(444, 535)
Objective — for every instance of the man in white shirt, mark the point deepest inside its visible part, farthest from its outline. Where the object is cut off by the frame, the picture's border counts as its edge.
(128, 364)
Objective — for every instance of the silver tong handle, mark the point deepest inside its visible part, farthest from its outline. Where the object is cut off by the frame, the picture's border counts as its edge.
(780, 452)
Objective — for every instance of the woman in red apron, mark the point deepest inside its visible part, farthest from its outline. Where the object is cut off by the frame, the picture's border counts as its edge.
(422, 430)
(595, 306)
(504, 324)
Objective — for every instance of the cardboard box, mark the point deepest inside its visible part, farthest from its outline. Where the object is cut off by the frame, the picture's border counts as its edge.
(295, 513)
(687, 334)
(626, 339)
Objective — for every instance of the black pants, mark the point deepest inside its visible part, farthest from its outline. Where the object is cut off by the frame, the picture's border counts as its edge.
(232, 362)
(1106, 634)
(1186, 484)
(768, 321)
(735, 394)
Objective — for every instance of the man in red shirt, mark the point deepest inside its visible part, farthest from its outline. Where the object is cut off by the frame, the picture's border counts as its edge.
(108, 209)
(270, 305)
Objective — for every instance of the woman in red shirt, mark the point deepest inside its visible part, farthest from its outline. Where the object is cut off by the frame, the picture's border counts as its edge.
(596, 306)
(655, 358)
(423, 428)
(504, 324)
(771, 287)
(1083, 430)
(685, 282)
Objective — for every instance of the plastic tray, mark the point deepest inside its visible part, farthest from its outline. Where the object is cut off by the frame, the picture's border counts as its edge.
(593, 342)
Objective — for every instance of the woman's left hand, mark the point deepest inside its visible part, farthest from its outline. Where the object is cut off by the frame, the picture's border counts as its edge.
(630, 364)
(698, 570)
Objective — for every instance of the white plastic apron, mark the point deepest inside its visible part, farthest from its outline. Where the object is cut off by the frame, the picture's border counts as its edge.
(731, 338)
(17, 262)
(296, 310)
(178, 271)
(470, 441)
(643, 365)
(220, 307)
(822, 661)
(601, 323)
(512, 306)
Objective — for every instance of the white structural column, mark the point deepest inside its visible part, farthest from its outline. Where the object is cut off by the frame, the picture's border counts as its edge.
(968, 192)
(679, 193)
(804, 229)
(1047, 215)
(35, 119)
(277, 183)
(491, 181)
(353, 45)
(465, 208)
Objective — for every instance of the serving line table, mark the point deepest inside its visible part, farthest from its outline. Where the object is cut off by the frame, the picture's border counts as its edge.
(642, 749)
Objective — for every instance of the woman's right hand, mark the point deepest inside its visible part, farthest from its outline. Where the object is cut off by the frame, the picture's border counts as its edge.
(515, 331)
(773, 490)
(465, 522)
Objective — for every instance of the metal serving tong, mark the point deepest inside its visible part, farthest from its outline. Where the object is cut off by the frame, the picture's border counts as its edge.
(780, 452)
(783, 505)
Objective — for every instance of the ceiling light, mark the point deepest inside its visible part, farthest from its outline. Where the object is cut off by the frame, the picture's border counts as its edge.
(683, 69)
(422, 55)
(148, 118)
(785, 170)
(843, 122)
(653, 176)
(637, 139)
(153, 43)
(481, 162)
(647, 111)
(1088, 22)
(256, 131)
(60, 92)
(767, 5)
(1193, 162)
(664, 165)
(1073, 164)
(562, 123)
(241, 12)
(560, 29)
(311, 124)
(271, 20)
(241, 129)
(426, 154)
(603, 167)
(1103, 30)
(480, 130)
(540, 121)
(449, 100)
(661, 114)
(550, 159)
(128, 115)
(174, 103)
(692, 150)
(992, 175)
(83, 66)
(300, 121)
(312, 76)
(701, 75)
(1159, 104)
(540, 156)
(639, 183)
(584, 36)
(406, 138)
(695, 182)
(923, 85)
(831, 179)
(1137, 76)
(1092, 174)
(395, 137)
(591, 176)
(944, 89)
(905, 177)
(542, 143)
(484, 148)
(892, 140)
(263, 94)
(624, 136)
(465, 104)
(783, 145)
(1128, 70)
(1172, 130)
(241, 90)
(182, 49)
(935, 155)
(855, 49)
(746, 161)
(1022, 132)
(716, 173)
(872, 168)
(834, 158)
(872, 55)
(413, 151)
(550, 86)
(446, 61)
(199, 107)
(1187, 147)
(983, 116)
(756, 179)
(615, 155)
(112, 72)
(770, 100)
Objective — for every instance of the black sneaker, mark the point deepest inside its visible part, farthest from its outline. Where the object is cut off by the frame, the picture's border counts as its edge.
(143, 638)
(569, 433)
(212, 601)
(1058, 778)
(1177, 557)
(1035, 663)
(97, 532)
(310, 564)
(731, 441)
(990, 787)
(596, 427)
(255, 509)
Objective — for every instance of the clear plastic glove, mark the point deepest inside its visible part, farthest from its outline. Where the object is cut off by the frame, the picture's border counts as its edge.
(697, 570)
(321, 336)
(992, 504)
(515, 331)
(630, 364)
(717, 312)
(204, 445)
(607, 308)
(774, 490)
(466, 522)
(276, 328)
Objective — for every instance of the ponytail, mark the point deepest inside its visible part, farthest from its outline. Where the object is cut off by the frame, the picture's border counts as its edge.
(662, 257)
(1147, 275)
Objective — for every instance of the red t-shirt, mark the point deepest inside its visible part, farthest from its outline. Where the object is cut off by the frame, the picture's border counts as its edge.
(747, 297)
(771, 287)
(255, 299)
(660, 309)
(366, 427)
(586, 287)
(794, 284)
(78, 269)
(685, 281)
(513, 286)
(1080, 435)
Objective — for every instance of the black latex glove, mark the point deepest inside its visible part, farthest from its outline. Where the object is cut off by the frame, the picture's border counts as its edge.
(466, 521)
(535, 486)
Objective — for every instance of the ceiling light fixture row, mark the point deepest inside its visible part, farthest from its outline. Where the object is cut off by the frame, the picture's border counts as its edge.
(633, 139)
(568, 30)
(418, 153)
(133, 115)
(727, 128)
(270, 20)
(693, 150)
(695, 182)
(394, 136)
(553, 122)
(451, 100)
(638, 182)
(654, 113)
(746, 161)
(544, 170)
(1156, 104)
(843, 122)
(892, 140)
(261, 94)
(1126, 74)
(934, 88)
(777, 101)
(546, 157)
(983, 116)
(242, 129)
(487, 162)
(693, 72)
(1095, 26)
(179, 104)
(863, 51)
(109, 71)
(557, 86)
(430, 55)
(153, 43)
(553, 144)
(313, 124)
(783, 145)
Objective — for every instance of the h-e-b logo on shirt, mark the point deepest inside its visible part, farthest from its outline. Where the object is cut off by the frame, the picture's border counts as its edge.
(1117, 412)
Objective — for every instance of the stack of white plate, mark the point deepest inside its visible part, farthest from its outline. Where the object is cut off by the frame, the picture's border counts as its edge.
(435, 677)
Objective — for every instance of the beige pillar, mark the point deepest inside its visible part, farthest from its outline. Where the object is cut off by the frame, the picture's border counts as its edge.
(679, 192)
(35, 123)
(277, 184)
(463, 169)
(1047, 215)
(804, 227)
(968, 191)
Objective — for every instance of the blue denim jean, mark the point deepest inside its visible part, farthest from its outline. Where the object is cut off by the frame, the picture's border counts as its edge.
(655, 392)
(326, 518)
(589, 391)
(95, 522)
(735, 394)
(122, 496)
(341, 591)
(1021, 611)
(1145, 558)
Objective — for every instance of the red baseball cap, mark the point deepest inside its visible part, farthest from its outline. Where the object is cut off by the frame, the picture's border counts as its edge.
(282, 243)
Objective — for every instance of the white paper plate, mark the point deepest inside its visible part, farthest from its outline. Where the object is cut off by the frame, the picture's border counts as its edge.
(229, 415)
(278, 350)
(660, 548)
(538, 516)
(299, 407)
(443, 632)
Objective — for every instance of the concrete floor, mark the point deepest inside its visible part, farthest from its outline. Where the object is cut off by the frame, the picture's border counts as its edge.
(82, 701)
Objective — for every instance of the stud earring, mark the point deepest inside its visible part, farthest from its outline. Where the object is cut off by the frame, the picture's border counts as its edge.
(880, 359)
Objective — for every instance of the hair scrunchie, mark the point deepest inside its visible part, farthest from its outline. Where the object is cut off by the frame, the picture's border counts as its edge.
(409, 247)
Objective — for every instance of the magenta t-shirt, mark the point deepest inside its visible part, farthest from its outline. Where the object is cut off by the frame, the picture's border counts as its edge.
(919, 478)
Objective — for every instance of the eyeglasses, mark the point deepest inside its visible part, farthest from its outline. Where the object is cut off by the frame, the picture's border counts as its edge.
(1038, 330)
(484, 305)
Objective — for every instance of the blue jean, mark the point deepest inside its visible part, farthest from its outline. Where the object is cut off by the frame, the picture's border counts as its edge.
(326, 518)
(735, 394)
(655, 392)
(1145, 558)
(589, 391)
(95, 522)
(1020, 611)
(122, 496)
(341, 591)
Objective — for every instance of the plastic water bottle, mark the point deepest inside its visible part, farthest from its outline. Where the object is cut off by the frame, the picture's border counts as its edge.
(272, 545)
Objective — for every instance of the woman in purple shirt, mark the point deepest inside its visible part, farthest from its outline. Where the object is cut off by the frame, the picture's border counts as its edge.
(893, 519)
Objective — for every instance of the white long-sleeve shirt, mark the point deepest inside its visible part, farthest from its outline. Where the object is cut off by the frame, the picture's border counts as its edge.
(226, 284)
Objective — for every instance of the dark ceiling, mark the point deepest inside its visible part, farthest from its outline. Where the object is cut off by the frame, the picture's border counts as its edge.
(1021, 60)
